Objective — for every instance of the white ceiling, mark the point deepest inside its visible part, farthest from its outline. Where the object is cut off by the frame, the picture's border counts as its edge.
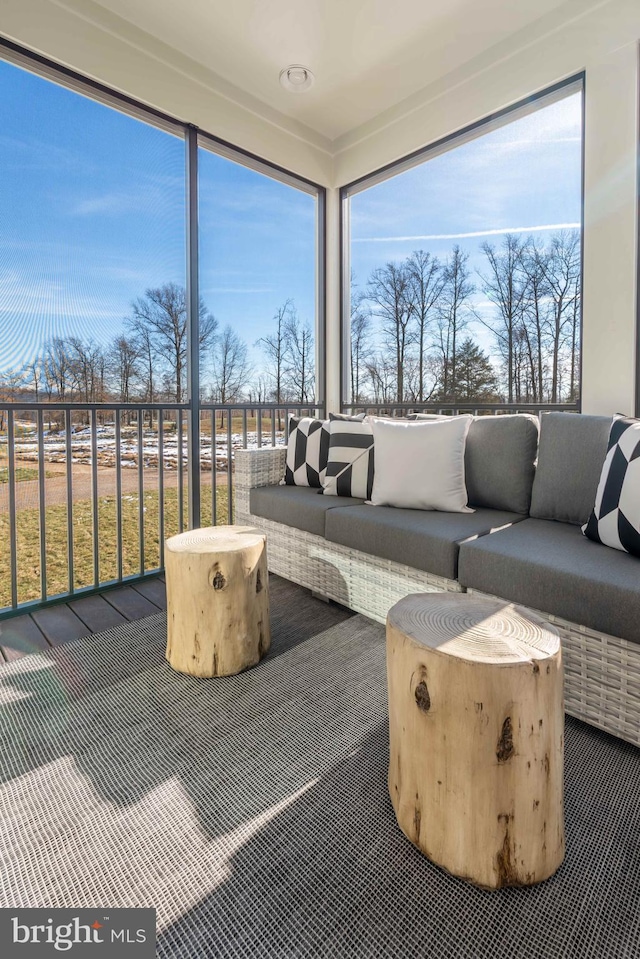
(367, 55)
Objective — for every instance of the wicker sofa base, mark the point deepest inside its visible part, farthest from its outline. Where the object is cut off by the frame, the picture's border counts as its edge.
(601, 677)
(363, 583)
(602, 672)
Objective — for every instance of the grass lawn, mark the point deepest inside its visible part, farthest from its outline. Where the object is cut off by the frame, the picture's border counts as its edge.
(23, 473)
(28, 541)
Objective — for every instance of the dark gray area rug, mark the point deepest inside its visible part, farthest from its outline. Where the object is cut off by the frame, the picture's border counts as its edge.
(252, 812)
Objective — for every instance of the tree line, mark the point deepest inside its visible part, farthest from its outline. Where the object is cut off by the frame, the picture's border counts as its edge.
(146, 361)
(409, 325)
(409, 339)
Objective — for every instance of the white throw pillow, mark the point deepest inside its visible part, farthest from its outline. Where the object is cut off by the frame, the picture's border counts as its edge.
(420, 465)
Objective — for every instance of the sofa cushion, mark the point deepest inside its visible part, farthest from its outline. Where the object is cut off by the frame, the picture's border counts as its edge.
(426, 540)
(420, 465)
(499, 460)
(298, 506)
(615, 519)
(552, 567)
(350, 464)
(570, 457)
(307, 451)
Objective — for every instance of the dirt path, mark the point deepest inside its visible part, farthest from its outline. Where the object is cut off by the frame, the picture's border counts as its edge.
(27, 492)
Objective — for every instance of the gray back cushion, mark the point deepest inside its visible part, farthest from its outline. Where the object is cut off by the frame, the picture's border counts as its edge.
(572, 450)
(500, 460)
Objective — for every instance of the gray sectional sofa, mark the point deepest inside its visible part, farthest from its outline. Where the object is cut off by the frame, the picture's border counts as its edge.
(523, 544)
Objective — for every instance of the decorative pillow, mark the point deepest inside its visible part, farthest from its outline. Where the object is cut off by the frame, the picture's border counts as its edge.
(420, 465)
(615, 520)
(570, 456)
(350, 466)
(307, 452)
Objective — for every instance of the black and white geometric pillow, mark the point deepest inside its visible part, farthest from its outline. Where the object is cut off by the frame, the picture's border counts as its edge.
(615, 520)
(307, 452)
(350, 465)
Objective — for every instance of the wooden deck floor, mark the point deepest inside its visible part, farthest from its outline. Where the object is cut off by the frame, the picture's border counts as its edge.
(80, 617)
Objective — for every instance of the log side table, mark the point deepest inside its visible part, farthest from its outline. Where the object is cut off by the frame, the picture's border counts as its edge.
(476, 731)
(217, 600)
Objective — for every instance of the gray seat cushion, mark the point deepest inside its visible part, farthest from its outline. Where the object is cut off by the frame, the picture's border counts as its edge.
(299, 506)
(499, 460)
(572, 450)
(553, 567)
(425, 539)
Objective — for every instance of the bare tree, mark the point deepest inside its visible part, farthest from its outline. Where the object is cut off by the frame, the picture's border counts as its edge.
(11, 382)
(58, 369)
(274, 346)
(123, 363)
(505, 285)
(300, 359)
(162, 314)
(34, 376)
(562, 274)
(360, 338)
(535, 315)
(425, 286)
(231, 368)
(453, 315)
(388, 289)
(381, 373)
(86, 366)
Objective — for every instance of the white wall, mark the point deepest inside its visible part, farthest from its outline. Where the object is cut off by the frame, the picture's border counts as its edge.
(87, 38)
(604, 43)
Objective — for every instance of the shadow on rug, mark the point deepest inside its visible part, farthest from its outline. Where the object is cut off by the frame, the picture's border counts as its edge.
(252, 811)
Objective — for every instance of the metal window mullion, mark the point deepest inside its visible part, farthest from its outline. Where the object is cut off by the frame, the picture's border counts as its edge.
(193, 321)
(42, 507)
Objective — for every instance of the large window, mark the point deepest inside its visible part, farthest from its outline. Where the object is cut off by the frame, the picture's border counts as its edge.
(99, 419)
(258, 255)
(465, 266)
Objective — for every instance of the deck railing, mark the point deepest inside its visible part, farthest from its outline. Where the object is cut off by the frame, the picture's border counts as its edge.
(455, 407)
(89, 492)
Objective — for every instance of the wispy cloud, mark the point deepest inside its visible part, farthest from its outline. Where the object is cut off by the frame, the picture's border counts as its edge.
(238, 289)
(107, 203)
(467, 236)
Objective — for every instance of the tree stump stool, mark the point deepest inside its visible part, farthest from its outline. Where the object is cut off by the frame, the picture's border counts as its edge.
(217, 600)
(476, 730)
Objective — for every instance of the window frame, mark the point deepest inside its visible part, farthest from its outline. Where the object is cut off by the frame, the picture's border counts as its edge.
(536, 101)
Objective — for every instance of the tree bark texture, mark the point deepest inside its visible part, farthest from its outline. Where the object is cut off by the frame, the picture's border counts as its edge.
(476, 726)
(217, 600)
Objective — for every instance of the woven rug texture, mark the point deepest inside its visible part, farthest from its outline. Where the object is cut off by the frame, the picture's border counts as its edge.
(252, 811)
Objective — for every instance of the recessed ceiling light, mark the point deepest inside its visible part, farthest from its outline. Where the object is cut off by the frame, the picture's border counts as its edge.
(296, 78)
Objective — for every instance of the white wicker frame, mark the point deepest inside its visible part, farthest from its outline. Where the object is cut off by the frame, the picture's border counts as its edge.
(602, 673)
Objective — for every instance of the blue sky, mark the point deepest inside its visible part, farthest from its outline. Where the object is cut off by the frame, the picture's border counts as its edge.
(523, 177)
(92, 213)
